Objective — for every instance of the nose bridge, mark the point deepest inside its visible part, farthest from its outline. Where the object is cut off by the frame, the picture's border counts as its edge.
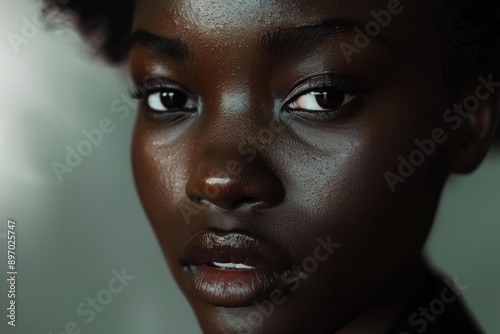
(225, 171)
(233, 112)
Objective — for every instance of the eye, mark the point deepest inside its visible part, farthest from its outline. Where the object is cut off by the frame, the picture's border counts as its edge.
(321, 100)
(170, 100)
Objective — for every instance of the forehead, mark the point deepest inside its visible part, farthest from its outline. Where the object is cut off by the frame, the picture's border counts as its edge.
(241, 13)
(222, 37)
(223, 18)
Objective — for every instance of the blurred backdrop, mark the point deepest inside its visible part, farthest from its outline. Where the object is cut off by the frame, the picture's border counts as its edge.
(78, 231)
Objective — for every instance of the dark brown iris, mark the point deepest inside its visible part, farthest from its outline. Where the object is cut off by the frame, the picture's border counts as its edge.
(173, 99)
(329, 99)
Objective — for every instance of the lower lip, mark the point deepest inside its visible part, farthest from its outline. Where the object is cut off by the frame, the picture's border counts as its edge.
(233, 287)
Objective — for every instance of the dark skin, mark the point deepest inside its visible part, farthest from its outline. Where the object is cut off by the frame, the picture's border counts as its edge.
(319, 173)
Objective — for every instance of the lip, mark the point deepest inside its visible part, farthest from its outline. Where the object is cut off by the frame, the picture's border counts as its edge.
(218, 286)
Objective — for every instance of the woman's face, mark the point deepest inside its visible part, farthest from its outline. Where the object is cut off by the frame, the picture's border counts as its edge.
(262, 148)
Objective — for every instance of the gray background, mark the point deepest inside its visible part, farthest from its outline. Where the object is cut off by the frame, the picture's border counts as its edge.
(72, 234)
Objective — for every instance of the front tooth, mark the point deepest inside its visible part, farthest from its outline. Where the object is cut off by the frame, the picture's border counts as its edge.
(232, 265)
(242, 266)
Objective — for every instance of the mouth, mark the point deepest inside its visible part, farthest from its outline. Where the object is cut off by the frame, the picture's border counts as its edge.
(233, 270)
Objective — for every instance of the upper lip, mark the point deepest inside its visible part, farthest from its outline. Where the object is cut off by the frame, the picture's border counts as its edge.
(227, 247)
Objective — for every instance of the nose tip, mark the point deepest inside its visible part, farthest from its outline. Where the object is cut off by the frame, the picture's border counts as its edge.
(251, 186)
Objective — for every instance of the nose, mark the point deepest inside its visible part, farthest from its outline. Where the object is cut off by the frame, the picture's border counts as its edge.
(222, 177)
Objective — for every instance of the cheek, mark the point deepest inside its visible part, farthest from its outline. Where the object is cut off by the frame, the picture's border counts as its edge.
(160, 178)
(344, 195)
(340, 191)
(337, 187)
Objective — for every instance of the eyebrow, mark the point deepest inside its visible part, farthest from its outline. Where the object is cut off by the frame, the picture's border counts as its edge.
(306, 36)
(170, 47)
(270, 43)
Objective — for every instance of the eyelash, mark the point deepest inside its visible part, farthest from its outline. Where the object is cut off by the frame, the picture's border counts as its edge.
(152, 86)
(341, 84)
(337, 84)
(326, 83)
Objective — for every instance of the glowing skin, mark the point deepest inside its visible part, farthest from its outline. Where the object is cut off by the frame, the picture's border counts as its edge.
(244, 163)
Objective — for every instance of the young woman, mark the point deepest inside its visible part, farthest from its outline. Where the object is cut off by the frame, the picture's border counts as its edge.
(290, 155)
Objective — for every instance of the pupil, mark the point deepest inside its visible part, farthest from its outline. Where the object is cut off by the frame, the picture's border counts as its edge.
(329, 100)
(173, 100)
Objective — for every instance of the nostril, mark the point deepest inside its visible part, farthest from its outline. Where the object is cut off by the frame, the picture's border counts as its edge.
(246, 201)
(197, 198)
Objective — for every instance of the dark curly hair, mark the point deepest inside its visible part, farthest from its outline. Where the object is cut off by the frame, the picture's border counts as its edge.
(469, 29)
(110, 20)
